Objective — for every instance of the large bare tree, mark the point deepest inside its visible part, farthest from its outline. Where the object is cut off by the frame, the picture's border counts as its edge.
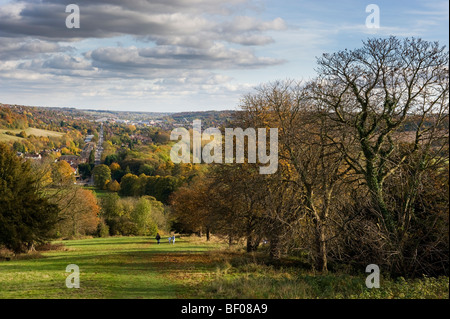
(389, 100)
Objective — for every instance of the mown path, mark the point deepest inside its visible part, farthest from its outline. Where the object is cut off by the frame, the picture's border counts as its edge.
(116, 267)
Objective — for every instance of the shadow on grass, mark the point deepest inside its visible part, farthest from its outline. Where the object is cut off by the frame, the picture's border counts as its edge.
(111, 268)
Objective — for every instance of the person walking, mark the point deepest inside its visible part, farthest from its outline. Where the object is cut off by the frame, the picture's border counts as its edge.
(173, 239)
(158, 238)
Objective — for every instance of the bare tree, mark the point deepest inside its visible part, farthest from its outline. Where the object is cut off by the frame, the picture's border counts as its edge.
(389, 100)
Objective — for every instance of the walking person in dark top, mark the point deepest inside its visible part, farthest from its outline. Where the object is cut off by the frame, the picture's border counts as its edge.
(158, 238)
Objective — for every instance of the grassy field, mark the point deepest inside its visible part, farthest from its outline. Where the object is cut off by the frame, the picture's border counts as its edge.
(30, 131)
(136, 267)
(8, 138)
(116, 267)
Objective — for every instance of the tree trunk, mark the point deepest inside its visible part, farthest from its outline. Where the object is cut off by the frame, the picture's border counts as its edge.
(30, 247)
(321, 262)
(275, 250)
(378, 196)
(252, 243)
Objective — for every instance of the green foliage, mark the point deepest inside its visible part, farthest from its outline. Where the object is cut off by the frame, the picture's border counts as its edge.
(129, 185)
(142, 217)
(85, 170)
(160, 187)
(146, 169)
(102, 174)
(102, 229)
(110, 206)
(132, 216)
(419, 288)
(91, 159)
(113, 158)
(26, 216)
(19, 147)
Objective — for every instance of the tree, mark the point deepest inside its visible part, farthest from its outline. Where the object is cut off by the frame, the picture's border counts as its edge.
(114, 166)
(22, 134)
(112, 158)
(146, 169)
(19, 147)
(62, 173)
(191, 209)
(129, 185)
(113, 186)
(236, 205)
(309, 166)
(26, 216)
(161, 137)
(142, 217)
(79, 213)
(102, 174)
(385, 95)
(91, 159)
(85, 170)
(161, 187)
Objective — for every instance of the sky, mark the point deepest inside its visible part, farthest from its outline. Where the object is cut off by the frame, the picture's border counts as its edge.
(185, 55)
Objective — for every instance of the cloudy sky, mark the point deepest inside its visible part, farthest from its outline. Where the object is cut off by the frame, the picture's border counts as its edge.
(184, 55)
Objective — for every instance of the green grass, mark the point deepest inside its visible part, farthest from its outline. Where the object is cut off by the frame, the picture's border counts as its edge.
(100, 193)
(136, 267)
(116, 267)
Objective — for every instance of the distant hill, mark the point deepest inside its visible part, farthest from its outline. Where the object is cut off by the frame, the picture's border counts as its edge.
(56, 118)
(208, 118)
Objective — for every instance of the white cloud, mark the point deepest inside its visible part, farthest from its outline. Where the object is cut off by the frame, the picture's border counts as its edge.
(180, 45)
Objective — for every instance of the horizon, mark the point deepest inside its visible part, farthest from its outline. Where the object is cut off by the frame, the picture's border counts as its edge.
(175, 56)
(113, 111)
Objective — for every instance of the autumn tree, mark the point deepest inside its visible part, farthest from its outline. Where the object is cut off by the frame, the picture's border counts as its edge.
(79, 213)
(62, 173)
(113, 186)
(114, 166)
(309, 166)
(190, 207)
